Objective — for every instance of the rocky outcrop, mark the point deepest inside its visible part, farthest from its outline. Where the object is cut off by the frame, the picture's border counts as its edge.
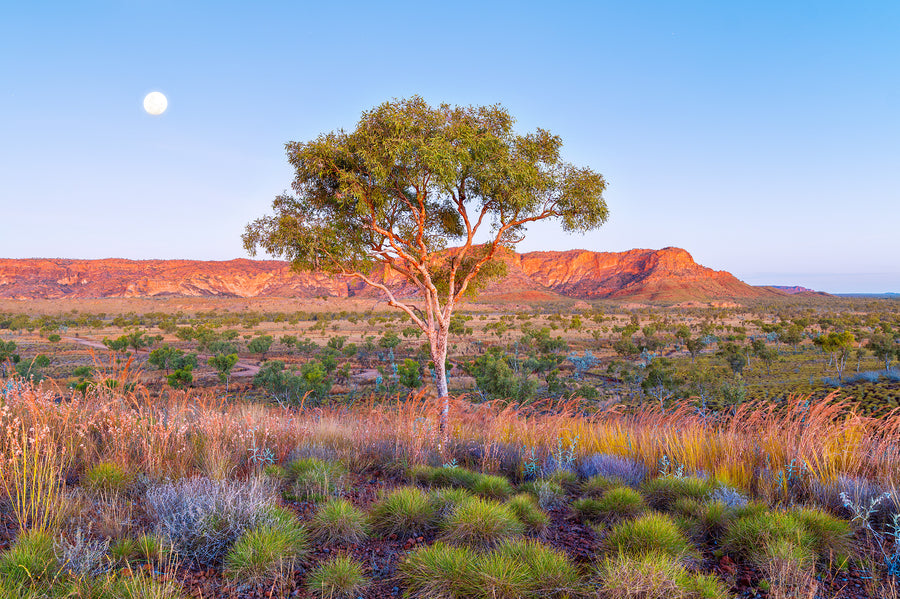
(669, 274)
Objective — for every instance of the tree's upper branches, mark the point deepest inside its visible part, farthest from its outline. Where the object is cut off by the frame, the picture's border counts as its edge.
(411, 179)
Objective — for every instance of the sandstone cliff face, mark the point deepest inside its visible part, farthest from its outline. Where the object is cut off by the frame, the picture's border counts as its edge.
(669, 274)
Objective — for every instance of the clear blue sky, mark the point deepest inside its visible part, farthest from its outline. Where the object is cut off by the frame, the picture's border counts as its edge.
(763, 137)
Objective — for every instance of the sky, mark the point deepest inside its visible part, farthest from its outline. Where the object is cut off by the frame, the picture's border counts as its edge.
(763, 137)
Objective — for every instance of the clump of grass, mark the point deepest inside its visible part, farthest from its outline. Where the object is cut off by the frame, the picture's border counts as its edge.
(653, 576)
(617, 504)
(501, 576)
(751, 536)
(106, 477)
(403, 511)
(526, 509)
(420, 474)
(29, 561)
(267, 553)
(492, 487)
(454, 476)
(788, 567)
(314, 479)
(339, 578)
(480, 523)
(550, 573)
(339, 521)
(651, 533)
(445, 499)
(440, 571)
(704, 521)
(661, 493)
(831, 536)
(597, 486)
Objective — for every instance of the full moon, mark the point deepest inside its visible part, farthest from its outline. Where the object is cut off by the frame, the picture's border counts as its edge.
(155, 103)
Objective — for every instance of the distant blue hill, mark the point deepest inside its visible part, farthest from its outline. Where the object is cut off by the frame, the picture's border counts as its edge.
(889, 295)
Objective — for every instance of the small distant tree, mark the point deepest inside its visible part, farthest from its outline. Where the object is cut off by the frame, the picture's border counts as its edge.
(837, 345)
(169, 358)
(8, 354)
(660, 381)
(409, 374)
(288, 340)
(33, 369)
(694, 346)
(734, 356)
(223, 363)
(409, 180)
(260, 345)
(882, 346)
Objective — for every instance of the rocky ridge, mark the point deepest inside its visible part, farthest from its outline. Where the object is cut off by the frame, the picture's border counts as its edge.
(669, 274)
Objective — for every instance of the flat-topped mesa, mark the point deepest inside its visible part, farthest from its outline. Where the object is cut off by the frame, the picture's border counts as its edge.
(669, 274)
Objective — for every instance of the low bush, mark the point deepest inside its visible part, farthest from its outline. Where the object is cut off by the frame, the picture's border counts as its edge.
(549, 495)
(526, 509)
(651, 533)
(653, 576)
(339, 578)
(662, 492)
(404, 511)
(267, 553)
(629, 471)
(339, 521)
(479, 522)
(202, 518)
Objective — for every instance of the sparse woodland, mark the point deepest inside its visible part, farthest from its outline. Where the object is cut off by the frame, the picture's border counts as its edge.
(719, 456)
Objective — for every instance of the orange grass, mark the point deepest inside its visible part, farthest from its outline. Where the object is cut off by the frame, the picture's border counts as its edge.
(185, 433)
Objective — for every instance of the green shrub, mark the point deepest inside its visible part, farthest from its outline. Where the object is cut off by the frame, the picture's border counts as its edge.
(403, 511)
(661, 493)
(550, 573)
(653, 576)
(106, 476)
(445, 499)
(30, 560)
(267, 553)
(651, 533)
(339, 578)
(480, 523)
(492, 487)
(526, 509)
(315, 479)
(750, 536)
(440, 571)
(339, 521)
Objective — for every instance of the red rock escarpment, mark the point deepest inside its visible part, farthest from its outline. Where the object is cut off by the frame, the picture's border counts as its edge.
(669, 274)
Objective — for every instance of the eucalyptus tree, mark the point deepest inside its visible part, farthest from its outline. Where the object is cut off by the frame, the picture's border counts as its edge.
(428, 197)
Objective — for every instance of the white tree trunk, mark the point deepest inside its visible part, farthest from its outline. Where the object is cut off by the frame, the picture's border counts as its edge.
(438, 342)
